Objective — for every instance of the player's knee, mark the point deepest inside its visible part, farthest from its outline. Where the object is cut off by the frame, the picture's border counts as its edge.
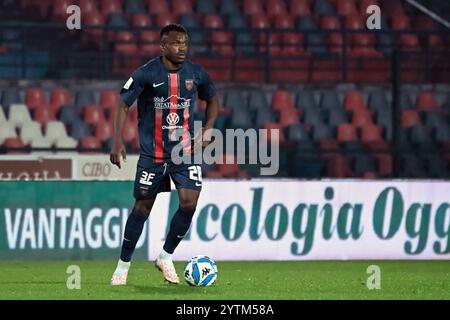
(188, 206)
(142, 208)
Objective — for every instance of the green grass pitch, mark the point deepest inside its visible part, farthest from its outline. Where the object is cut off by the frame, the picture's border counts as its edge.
(236, 280)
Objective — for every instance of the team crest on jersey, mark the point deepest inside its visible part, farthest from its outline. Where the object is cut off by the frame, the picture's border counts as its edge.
(189, 84)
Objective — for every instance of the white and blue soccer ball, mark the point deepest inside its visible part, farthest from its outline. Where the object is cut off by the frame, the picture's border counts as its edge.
(200, 271)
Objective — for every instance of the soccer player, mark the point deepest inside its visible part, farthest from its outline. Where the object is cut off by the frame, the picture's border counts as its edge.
(165, 88)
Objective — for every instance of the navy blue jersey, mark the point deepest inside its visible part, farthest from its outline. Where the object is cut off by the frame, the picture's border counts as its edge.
(166, 99)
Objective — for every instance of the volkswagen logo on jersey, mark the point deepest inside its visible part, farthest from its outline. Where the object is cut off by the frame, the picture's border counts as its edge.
(172, 118)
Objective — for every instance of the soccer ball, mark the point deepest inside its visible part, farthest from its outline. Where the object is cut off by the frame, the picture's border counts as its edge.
(200, 271)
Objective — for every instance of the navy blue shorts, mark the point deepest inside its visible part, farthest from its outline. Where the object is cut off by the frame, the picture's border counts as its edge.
(153, 178)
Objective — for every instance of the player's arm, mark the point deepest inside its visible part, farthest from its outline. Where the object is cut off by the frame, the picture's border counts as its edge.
(128, 95)
(211, 113)
(207, 92)
(118, 148)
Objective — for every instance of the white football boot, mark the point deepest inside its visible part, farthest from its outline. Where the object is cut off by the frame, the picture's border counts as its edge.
(120, 275)
(168, 270)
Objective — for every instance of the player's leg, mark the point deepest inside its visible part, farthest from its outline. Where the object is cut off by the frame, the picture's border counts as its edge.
(187, 180)
(134, 226)
(179, 226)
(133, 230)
(182, 219)
(150, 180)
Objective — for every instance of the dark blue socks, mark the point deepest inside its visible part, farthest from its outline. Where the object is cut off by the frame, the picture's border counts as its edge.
(179, 225)
(133, 230)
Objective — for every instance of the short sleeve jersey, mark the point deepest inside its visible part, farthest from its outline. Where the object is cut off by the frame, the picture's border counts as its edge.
(165, 102)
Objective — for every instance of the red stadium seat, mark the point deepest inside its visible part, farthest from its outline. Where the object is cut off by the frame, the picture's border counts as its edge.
(353, 100)
(111, 6)
(43, 115)
(14, 143)
(338, 166)
(180, 7)
(292, 43)
(426, 23)
(35, 98)
(60, 97)
(251, 7)
(109, 98)
(346, 132)
(401, 23)
(164, 19)
(150, 49)
(93, 114)
(364, 4)
(300, 8)
(249, 69)
(150, 38)
(88, 6)
(103, 131)
(426, 101)
(282, 100)
(362, 117)
(124, 36)
(90, 143)
(274, 126)
(259, 21)
(273, 41)
(221, 42)
(354, 22)
(359, 39)
(393, 9)
(284, 22)
(157, 7)
(362, 44)
(60, 9)
(410, 118)
(212, 21)
(357, 23)
(125, 43)
(346, 7)
(330, 22)
(384, 164)
(335, 39)
(276, 8)
(407, 41)
(141, 20)
(95, 19)
(289, 116)
(371, 133)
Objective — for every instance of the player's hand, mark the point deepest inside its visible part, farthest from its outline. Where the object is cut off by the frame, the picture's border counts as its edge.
(118, 154)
